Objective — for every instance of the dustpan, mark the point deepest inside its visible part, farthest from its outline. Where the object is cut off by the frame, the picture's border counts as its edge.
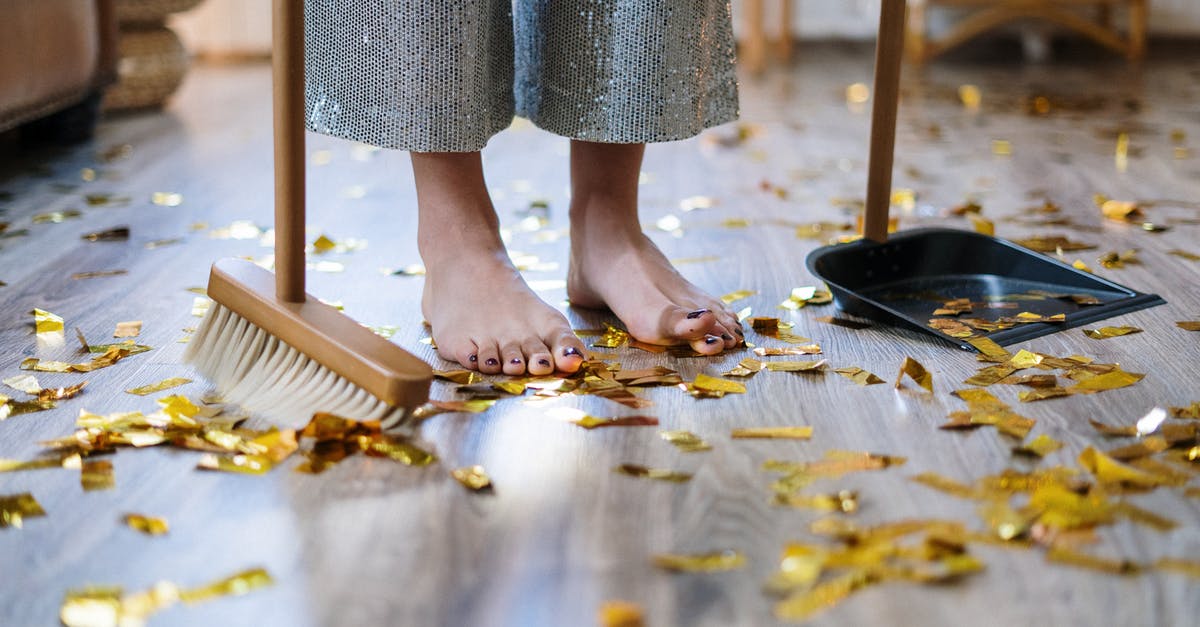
(902, 280)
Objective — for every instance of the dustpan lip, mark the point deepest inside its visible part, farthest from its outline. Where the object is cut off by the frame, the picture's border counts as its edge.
(1132, 300)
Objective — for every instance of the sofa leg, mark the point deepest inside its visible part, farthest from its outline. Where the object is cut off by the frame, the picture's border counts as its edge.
(73, 125)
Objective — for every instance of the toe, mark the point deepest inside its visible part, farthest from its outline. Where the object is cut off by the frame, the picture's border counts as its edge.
(512, 359)
(489, 357)
(538, 359)
(569, 353)
(687, 324)
(728, 339)
(708, 345)
(465, 354)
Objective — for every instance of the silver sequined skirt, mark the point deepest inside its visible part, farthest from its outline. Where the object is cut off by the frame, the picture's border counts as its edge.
(444, 75)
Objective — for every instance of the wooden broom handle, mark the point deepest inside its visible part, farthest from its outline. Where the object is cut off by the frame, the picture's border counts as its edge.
(287, 64)
(886, 97)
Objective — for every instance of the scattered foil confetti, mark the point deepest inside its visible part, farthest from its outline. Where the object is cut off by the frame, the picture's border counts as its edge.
(708, 383)
(592, 422)
(718, 561)
(473, 478)
(15, 508)
(165, 384)
(733, 297)
(148, 525)
(916, 372)
(115, 234)
(773, 433)
(661, 474)
(859, 376)
(1039, 446)
(97, 475)
(128, 329)
(686, 441)
(620, 614)
(166, 199)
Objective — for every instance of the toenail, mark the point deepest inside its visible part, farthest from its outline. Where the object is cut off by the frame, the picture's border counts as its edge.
(726, 336)
(738, 331)
(492, 361)
(696, 314)
(473, 358)
(515, 360)
(711, 339)
(543, 362)
(571, 350)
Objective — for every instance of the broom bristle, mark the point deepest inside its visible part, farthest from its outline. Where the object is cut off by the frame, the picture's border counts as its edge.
(257, 371)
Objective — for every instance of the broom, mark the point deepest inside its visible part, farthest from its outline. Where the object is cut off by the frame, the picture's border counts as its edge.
(266, 344)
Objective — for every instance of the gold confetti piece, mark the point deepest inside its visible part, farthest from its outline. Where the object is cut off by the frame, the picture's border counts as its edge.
(1069, 557)
(661, 474)
(612, 337)
(243, 464)
(165, 384)
(15, 508)
(989, 350)
(917, 372)
(982, 225)
(46, 322)
(949, 486)
(110, 235)
(620, 614)
(97, 475)
(1042, 394)
(1031, 380)
(1110, 471)
(56, 217)
(990, 375)
(1146, 517)
(462, 377)
(844, 501)
(323, 244)
(651, 348)
(817, 366)
(106, 200)
(178, 407)
(93, 607)
(733, 297)
(1053, 243)
(166, 199)
(718, 561)
(1143, 448)
(472, 477)
(234, 585)
(1107, 332)
(1107, 381)
(475, 406)
(859, 376)
(1190, 568)
(843, 322)
(1192, 411)
(16, 408)
(12, 465)
(63, 393)
(686, 441)
(807, 349)
(1122, 210)
(380, 445)
(774, 433)
(1189, 325)
(1001, 147)
(128, 329)
(1039, 447)
(592, 422)
(24, 383)
(802, 605)
(1025, 359)
(713, 384)
(1184, 254)
(148, 525)
(97, 274)
(970, 96)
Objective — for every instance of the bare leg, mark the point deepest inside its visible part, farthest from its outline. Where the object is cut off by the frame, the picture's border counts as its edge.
(614, 265)
(483, 314)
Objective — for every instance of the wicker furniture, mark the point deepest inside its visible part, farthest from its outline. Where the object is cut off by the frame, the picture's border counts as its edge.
(153, 60)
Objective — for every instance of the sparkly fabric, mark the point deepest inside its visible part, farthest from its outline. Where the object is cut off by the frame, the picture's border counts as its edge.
(441, 75)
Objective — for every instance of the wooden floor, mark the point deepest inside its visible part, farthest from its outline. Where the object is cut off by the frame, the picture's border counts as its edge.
(373, 542)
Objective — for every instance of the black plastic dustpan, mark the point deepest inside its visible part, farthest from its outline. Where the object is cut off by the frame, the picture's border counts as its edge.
(904, 279)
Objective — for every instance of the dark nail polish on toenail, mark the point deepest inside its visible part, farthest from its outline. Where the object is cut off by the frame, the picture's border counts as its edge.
(492, 361)
(543, 362)
(696, 314)
(473, 358)
(570, 350)
(515, 360)
(738, 331)
(711, 339)
(726, 336)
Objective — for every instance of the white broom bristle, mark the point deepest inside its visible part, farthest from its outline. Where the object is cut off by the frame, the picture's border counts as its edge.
(255, 370)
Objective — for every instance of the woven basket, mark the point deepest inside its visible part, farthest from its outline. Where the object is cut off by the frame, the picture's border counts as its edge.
(153, 63)
(150, 11)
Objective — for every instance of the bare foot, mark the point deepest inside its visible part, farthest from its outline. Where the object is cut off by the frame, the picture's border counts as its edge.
(482, 313)
(614, 265)
(625, 272)
(486, 318)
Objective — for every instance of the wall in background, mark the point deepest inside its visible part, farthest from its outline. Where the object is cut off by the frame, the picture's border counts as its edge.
(243, 27)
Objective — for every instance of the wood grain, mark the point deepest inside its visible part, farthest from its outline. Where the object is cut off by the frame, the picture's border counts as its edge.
(371, 542)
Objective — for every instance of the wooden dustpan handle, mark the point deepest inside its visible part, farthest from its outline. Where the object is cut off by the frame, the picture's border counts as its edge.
(287, 71)
(886, 97)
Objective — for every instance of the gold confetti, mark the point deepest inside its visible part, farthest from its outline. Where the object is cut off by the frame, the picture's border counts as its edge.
(128, 329)
(1039, 447)
(1190, 568)
(161, 243)
(1116, 260)
(620, 614)
(115, 234)
(1042, 394)
(661, 474)
(165, 384)
(97, 475)
(859, 376)
(462, 377)
(1062, 555)
(241, 463)
(1001, 147)
(733, 297)
(592, 422)
(15, 508)
(1110, 471)
(970, 96)
(56, 217)
(46, 322)
(817, 366)
(807, 349)
(97, 274)
(717, 561)
(148, 525)
(989, 350)
(774, 433)
(234, 585)
(686, 441)
(1189, 325)
(472, 477)
(166, 199)
(24, 383)
(1121, 210)
(917, 372)
(63, 393)
(713, 384)
(1184, 254)
(1107, 381)
(1052, 243)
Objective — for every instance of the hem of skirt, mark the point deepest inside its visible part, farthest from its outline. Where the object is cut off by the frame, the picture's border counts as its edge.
(723, 117)
(408, 144)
